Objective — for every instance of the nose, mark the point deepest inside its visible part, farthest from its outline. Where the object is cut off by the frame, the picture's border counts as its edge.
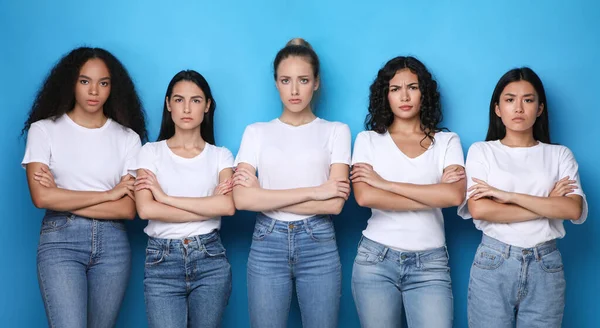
(295, 89)
(93, 90)
(404, 96)
(519, 106)
(187, 108)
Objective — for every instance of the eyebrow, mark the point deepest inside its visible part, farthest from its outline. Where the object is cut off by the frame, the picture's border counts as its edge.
(289, 77)
(397, 86)
(513, 95)
(89, 78)
(193, 97)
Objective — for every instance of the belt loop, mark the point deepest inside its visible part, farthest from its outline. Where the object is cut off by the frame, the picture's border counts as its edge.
(272, 225)
(383, 253)
(199, 241)
(536, 253)
(447, 253)
(167, 246)
(507, 251)
(306, 226)
(418, 259)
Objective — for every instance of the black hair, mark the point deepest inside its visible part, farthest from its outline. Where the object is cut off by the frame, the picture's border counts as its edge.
(380, 115)
(541, 130)
(57, 94)
(167, 127)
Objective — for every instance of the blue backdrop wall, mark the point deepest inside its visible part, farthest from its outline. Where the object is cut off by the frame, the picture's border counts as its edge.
(467, 45)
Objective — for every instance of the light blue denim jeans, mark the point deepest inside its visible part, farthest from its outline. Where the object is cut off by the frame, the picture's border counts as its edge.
(187, 282)
(512, 285)
(302, 253)
(83, 268)
(384, 280)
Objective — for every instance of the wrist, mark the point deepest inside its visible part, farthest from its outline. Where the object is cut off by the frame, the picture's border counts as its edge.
(106, 196)
(164, 199)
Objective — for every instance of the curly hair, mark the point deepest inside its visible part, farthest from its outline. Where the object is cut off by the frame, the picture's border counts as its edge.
(380, 115)
(56, 96)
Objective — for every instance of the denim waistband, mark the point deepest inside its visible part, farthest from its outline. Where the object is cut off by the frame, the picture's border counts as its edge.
(507, 250)
(394, 255)
(305, 225)
(49, 214)
(189, 242)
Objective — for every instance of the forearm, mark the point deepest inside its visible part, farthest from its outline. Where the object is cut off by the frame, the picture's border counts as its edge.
(260, 200)
(488, 210)
(331, 206)
(211, 206)
(153, 210)
(440, 195)
(58, 199)
(123, 208)
(371, 197)
(563, 208)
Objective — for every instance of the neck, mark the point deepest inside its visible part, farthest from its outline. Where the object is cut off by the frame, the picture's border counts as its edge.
(296, 119)
(410, 126)
(187, 138)
(86, 119)
(519, 139)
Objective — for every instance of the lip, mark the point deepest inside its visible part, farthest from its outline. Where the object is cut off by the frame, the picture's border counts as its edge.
(92, 102)
(295, 101)
(518, 119)
(406, 107)
(187, 119)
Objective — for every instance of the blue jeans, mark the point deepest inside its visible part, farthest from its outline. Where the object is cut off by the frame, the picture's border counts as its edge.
(187, 282)
(512, 285)
(302, 253)
(383, 280)
(83, 268)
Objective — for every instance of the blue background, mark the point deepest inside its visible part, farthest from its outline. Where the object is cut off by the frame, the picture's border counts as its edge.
(467, 45)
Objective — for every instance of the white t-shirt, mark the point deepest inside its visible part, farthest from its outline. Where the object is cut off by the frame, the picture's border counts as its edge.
(183, 177)
(289, 157)
(527, 170)
(407, 230)
(82, 159)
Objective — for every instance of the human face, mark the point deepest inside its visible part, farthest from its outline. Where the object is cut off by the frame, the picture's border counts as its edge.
(296, 83)
(519, 106)
(187, 105)
(92, 87)
(404, 95)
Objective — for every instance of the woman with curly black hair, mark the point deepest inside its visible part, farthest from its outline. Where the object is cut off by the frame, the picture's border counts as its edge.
(83, 130)
(405, 169)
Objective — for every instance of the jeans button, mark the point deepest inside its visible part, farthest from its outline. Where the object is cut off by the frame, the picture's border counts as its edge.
(291, 226)
(403, 257)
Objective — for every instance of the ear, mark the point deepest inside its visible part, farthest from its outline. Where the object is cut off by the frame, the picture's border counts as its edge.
(207, 108)
(317, 83)
(167, 103)
(497, 110)
(540, 110)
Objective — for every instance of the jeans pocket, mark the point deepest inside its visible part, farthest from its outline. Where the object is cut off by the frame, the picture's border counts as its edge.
(215, 249)
(154, 256)
(260, 232)
(487, 258)
(323, 232)
(365, 256)
(438, 264)
(55, 223)
(552, 262)
(119, 224)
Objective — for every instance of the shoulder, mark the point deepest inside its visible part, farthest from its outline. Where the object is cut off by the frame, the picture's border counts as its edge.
(219, 150)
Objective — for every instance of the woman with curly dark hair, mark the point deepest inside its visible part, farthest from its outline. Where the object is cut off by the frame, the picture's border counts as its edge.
(83, 130)
(406, 170)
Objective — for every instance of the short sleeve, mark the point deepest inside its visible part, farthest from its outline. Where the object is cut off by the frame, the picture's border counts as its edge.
(225, 159)
(454, 154)
(134, 145)
(476, 166)
(248, 152)
(568, 167)
(38, 146)
(340, 150)
(362, 149)
(145, 159)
